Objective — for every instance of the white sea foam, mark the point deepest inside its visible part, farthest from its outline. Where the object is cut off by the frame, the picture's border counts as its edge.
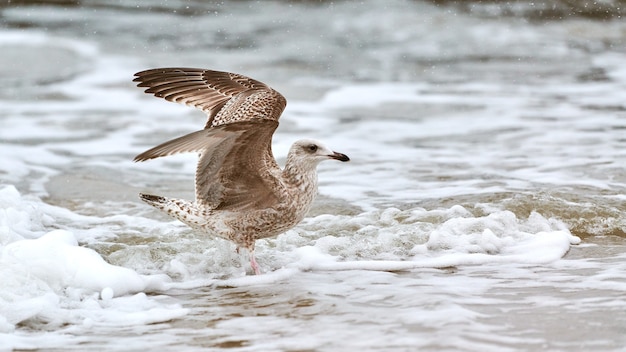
(48, 278)
(50, 270)
(444, 232)
(39, 39)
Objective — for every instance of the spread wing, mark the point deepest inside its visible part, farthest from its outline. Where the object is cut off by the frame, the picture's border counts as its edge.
(210, 91)
(236, 170)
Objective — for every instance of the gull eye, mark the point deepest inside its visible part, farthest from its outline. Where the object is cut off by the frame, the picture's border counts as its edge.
(312, 148)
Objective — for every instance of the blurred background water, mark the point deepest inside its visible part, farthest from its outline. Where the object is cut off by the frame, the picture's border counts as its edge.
(487, 139)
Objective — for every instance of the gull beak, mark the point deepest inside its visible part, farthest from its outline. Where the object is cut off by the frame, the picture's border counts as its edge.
(339, 156)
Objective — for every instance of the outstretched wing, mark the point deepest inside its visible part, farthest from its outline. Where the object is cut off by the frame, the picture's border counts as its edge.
(219, 94)
(236, 169)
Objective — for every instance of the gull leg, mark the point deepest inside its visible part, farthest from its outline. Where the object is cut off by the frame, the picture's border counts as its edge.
(254, 264)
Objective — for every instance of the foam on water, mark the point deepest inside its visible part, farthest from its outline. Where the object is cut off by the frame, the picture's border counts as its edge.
(447, 230)
(49, 279)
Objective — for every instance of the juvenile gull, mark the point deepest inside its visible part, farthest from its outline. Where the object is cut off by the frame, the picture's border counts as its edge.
(241, 193)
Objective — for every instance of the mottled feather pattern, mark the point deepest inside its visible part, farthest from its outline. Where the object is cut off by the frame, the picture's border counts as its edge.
(241, 192)
(206, 90)
(250, 105)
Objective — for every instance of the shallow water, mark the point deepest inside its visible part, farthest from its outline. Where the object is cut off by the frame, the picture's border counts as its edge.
(483, 208)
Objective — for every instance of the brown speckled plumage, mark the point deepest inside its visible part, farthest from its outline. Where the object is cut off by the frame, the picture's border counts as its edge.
(241, 193)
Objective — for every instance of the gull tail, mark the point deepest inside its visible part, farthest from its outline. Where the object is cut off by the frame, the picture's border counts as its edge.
(180, 209)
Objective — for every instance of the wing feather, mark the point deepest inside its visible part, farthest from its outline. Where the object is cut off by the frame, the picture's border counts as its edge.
(193, 142)
(236, 169)
(241, 173)
(209, 91)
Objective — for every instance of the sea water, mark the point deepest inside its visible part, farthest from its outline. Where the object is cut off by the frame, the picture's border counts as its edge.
(483, 208)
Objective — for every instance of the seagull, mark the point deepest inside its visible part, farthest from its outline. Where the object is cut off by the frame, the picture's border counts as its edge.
(241, 194)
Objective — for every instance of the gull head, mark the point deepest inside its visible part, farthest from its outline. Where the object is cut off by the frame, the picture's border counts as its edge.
(310, 152)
